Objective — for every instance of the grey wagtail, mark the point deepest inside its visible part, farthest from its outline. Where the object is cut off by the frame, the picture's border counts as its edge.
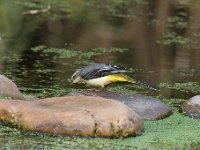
(100, 75)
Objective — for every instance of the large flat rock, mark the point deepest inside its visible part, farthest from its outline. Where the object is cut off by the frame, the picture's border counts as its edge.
(72, 115)
(9, 88)
(147, 107)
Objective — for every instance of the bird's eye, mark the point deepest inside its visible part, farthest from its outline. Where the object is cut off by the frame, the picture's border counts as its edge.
(73, 77)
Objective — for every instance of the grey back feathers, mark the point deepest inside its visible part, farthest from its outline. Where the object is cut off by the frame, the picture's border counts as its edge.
(99, 70)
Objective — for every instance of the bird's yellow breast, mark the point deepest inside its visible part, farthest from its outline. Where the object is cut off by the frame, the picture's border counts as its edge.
(103, 81)
(118, 77)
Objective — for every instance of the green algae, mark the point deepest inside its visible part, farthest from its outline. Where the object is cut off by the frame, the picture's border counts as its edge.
(69, 53)
(183, 87)
(5, 98)
(174, 132)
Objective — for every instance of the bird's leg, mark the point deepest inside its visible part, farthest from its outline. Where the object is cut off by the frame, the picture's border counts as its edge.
(92, 89)
(100, 89)
(97, 89)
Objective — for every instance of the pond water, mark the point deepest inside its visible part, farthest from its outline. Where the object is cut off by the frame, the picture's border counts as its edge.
(43, 43)
(159, 45)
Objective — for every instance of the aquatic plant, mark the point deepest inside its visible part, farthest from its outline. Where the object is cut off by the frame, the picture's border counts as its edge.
(186, 87)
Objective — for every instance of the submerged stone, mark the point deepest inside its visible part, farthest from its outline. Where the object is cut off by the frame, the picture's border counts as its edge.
(72, 115)
(147, 107)
(191, 107)
(9, 88)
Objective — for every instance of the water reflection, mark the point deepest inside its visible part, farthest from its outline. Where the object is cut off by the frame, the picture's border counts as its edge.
(161, 37)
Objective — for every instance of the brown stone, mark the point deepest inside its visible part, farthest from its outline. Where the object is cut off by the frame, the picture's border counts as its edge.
(9, 88)
(72, 115)
(191, 107)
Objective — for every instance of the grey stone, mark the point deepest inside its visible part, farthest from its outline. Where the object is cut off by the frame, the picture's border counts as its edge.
(147, 107)
(191, 107)
(9, 88)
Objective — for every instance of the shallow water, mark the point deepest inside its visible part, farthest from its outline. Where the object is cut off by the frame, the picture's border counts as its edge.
(157, 41)
(168, 57)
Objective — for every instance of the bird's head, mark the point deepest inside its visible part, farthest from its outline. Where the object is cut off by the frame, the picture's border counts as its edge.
(75, 78)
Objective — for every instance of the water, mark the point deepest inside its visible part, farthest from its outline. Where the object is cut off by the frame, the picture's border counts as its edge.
(161, 39)
(171, 56)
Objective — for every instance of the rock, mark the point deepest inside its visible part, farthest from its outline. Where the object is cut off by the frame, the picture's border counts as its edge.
(191, 107)
(72, 115)
(30, 97)
(9, 88)
(147, 107)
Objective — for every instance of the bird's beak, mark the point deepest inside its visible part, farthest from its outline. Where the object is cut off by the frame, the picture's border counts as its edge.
(76, 80)
(70, 81)
(73, 81)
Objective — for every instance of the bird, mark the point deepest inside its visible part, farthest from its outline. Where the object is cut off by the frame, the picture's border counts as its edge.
(101, 75)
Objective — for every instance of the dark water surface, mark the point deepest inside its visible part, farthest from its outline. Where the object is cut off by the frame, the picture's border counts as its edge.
(161, 38)
(163, 45)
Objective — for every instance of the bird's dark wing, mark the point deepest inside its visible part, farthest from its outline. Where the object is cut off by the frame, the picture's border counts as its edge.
(99, 70)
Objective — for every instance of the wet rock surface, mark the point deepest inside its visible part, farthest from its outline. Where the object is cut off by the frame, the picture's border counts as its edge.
(147, 107)
(72, 115)
(9, 88)
(191, 107)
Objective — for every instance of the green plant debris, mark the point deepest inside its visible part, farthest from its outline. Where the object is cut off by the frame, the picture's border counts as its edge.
(174, 35)
(172, 38)
(67, 53)
(173, 103)
(183, 87)
(5, 98)
(62, 53)
(11, 58)
(177, 22)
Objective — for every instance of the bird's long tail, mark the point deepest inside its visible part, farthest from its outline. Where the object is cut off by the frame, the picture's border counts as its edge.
(154, 87)
(148, 85)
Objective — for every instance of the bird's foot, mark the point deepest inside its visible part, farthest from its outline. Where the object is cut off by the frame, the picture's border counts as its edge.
(96, 89)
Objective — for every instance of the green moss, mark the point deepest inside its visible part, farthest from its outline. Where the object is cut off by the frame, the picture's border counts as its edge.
(172, 38)
(68, 53)
(174, 132)
(183, 87)
(5, 97)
